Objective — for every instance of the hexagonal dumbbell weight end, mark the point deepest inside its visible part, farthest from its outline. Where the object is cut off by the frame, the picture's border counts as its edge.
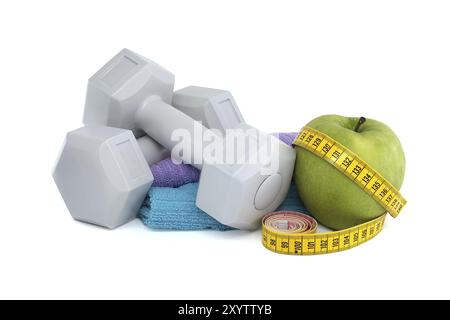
(215, 108)
(120, 88)
(239, 195)
(102, 175)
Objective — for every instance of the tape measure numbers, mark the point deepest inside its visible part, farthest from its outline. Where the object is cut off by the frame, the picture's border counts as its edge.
(294, 233)
(353, 167)
(287, 232)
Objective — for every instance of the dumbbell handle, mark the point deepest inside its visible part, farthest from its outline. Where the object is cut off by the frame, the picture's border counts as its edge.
(159, 120)
(152, 151)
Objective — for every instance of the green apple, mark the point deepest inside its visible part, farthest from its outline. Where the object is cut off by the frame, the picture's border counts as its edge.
(332, 198)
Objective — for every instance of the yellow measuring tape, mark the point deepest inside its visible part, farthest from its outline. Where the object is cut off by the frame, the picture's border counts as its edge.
(293, 233)
(288, 232)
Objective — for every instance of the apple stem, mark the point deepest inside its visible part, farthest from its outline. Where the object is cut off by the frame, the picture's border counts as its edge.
(360, 123)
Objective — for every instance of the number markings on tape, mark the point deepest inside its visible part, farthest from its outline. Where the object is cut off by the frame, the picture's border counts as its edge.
(290, 242)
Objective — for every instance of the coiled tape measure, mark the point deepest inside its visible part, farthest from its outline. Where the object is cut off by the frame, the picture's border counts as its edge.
(294, 233)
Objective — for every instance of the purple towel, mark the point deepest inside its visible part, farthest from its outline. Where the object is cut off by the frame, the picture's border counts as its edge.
(168, 174)
(286, 137)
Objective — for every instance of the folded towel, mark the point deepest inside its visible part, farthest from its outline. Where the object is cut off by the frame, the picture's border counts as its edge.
(175, 209)
(168, 174)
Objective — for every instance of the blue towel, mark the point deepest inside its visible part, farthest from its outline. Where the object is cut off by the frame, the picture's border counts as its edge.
(175, 209)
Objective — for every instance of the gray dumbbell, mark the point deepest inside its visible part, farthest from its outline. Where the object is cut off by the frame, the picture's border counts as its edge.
(103, 172)
(135, 93)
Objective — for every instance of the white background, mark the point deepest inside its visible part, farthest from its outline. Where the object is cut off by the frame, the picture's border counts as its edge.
(285, 62)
